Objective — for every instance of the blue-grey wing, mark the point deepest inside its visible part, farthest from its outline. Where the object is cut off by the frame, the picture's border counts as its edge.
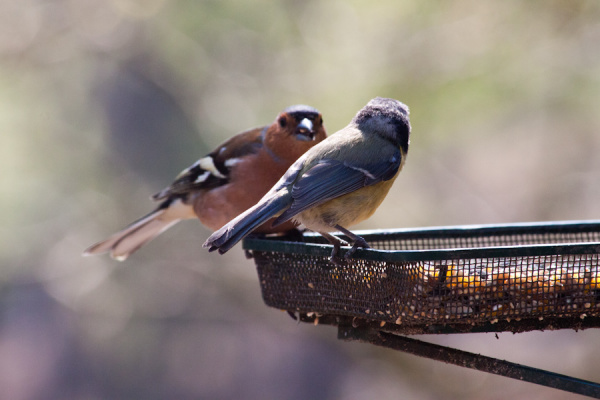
(329, 179)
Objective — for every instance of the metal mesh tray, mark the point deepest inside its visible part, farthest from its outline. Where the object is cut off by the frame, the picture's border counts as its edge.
(516, 277)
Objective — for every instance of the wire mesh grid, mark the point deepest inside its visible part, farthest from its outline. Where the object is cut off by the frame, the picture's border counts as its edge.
(459, 277)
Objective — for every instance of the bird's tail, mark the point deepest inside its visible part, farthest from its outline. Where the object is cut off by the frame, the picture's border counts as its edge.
(125, 242)
(238, 228)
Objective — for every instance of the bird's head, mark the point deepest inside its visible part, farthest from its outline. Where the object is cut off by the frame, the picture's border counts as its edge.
(303, 122)
(296, 129)
(387, 118)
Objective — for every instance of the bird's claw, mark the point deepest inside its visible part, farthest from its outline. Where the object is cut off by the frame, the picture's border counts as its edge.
(335, 259)
(338, 261)
(358, 243)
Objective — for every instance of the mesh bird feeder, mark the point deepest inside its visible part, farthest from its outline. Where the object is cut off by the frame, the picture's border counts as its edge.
(517, 278)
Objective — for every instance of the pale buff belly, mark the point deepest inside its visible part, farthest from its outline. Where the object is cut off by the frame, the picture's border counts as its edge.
(346, 210)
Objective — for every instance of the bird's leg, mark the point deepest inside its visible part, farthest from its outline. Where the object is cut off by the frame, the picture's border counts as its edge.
(357, 241)
(337, 243)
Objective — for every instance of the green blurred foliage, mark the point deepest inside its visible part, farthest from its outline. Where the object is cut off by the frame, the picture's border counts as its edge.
(102, 103)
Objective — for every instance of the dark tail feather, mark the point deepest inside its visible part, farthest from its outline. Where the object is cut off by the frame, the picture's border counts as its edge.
(237, 229)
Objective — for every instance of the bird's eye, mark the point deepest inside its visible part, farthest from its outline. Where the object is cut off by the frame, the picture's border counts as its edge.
(282, 122)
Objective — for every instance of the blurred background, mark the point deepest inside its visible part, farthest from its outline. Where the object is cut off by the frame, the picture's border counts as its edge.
(102, 103)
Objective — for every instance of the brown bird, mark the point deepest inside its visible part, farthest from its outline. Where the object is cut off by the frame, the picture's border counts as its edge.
(226, 182)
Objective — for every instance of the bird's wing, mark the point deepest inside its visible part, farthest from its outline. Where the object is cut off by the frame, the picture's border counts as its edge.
(213, 170)
(329, 179)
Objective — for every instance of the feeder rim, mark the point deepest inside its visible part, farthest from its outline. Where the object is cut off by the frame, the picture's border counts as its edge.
(278, 244)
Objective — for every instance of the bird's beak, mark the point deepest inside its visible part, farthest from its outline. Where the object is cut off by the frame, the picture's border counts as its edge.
(304, 130)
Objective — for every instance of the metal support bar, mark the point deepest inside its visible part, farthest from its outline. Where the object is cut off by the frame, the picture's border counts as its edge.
(471, 360)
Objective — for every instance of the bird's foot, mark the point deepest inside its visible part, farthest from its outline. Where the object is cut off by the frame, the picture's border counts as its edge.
(359, 242)
(335, 256)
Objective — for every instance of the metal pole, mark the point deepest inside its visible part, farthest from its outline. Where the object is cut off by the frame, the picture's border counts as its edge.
(471, 360)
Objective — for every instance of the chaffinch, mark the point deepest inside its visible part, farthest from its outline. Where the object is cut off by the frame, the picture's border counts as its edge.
(336, 184)
(229, 180)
